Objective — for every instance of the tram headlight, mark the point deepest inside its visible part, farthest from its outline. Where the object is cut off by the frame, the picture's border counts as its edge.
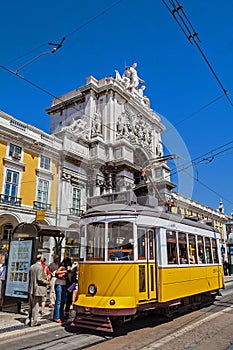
(92, 289)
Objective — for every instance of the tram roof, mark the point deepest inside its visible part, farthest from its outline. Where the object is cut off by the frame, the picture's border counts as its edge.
(136, 209)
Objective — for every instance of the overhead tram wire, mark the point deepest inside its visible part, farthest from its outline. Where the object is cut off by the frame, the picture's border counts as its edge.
(54, 49)
(199, 110)
(210, 189)
(192, 36)
(107, 126)
(57, 46)
(206, 158)
(92, 19)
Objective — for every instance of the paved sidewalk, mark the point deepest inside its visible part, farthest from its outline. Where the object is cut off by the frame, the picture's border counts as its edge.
(12, 324)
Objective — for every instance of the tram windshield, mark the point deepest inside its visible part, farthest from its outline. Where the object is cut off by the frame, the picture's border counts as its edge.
(120, 240)
(95, 241)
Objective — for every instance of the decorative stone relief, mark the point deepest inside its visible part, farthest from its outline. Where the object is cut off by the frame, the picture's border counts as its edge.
(134, 129)
(77, 126)
(66, 177)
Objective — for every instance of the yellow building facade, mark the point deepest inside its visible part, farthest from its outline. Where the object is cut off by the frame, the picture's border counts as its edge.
(29, 170)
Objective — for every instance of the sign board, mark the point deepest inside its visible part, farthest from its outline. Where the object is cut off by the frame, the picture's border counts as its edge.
(18, 269)
(40, 215)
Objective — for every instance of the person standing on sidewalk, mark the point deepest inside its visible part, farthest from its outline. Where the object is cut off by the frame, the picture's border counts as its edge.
(53, 267)
(2, 283)
(37, 285)
(60, 289)
(47, 272)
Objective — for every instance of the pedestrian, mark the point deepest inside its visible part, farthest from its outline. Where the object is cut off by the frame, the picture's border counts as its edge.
(60, 289)
(53, 267)
(2, 283)
(72, 288)
(44, 297)
(76, 276)
(227, 268)
(37, 285)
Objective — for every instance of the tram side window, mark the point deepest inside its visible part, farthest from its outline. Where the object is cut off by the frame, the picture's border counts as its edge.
(200, 245)
(209, 259)
(171, 247)
(215, 251)
(95, 241)
(120, 241)
(141, 236)
(151, 244)
(183, 248)
(192, 249)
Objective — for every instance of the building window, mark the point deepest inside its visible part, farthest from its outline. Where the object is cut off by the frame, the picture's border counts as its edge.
(42, 191)
(76, 198)
(7, 231)
(15, 151)
(11, 186)
(45, 162)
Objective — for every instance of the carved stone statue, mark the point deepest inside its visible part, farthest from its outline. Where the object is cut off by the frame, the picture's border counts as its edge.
(96, 125)
(134, 78)
(140, 91)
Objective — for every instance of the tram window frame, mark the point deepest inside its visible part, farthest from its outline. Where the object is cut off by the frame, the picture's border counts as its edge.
(215, 251)
(183, 248)
(95, 241)
(192, 249)
(171, 247)
(151, 238)
(142, 278)
(208, 251)
(141, 241)
(82, 243)
(120, 241)
(201, 250)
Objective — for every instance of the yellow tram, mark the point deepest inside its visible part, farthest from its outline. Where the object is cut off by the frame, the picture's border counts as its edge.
(136, 259)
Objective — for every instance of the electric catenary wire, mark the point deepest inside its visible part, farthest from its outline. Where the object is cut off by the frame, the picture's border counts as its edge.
(185, 25)
(90, 20)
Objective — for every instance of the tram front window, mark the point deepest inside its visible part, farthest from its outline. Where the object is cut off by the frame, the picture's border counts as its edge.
(95, 241)
(120, 241)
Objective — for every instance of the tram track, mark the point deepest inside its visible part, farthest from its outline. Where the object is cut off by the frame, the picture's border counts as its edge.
(159, 331)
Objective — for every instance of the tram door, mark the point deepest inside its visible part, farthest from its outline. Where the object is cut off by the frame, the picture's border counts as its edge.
(147, 264)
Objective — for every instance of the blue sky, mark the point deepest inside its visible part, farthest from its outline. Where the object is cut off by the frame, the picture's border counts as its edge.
(180, 85)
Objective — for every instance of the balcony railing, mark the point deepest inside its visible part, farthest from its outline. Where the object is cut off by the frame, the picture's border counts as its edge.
(76, 212)
(41, 206)
(10, 200)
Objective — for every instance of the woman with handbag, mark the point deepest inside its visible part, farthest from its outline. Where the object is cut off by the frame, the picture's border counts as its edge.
(61, 275)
